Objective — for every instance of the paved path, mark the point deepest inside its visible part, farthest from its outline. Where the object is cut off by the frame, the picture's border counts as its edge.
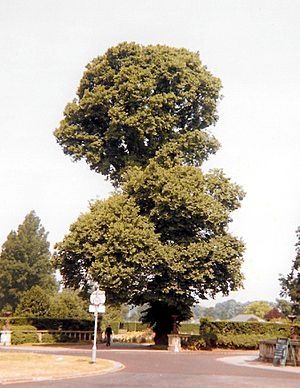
(160, 369)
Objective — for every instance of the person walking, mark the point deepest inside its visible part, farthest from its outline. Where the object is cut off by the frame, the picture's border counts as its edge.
(108, 334)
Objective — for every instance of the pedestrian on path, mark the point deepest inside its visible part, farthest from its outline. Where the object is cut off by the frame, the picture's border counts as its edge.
(108, 334)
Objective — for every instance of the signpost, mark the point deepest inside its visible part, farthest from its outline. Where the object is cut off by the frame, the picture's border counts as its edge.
(100, 308)
(97, 299)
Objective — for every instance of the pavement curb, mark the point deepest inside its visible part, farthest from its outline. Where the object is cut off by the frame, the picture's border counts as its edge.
(254, 362)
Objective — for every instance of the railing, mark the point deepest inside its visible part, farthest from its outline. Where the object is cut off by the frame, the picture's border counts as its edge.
(77, 335)
(184, 337)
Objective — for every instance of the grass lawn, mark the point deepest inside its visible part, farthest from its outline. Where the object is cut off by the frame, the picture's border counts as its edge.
(26, 366)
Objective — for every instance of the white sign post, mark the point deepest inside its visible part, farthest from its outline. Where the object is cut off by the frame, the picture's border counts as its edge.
(97, 299)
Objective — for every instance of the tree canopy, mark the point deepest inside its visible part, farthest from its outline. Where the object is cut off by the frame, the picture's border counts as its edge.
(227, 309)
(290, 284)
(34, 303)
(25, 261)
(258, 308)
(162, 239)
(66, 304)
(131, 101)
(230, 308)
(112, 244)
(284, 306)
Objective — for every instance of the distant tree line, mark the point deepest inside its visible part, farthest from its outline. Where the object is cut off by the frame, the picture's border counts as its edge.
(229, 309)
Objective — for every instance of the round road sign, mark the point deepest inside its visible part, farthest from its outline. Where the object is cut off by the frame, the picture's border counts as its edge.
(97, 297)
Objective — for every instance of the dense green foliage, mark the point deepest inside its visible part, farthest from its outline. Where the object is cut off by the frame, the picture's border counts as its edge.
(114, 245)
(284, 306)
(258, 308)
(52, 323)
(227, 310)
(25, 261)
(189, 328)
(230, 327)
(236, 335)
(36, 302)
(291, 283)
(131, 101)
(20, 337)
(140, 118)
(143, 247)
(229, 341)
(68, 304)
(28, 334)
(222, 311)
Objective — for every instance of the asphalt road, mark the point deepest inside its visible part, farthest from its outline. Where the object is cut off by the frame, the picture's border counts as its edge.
(151, 368)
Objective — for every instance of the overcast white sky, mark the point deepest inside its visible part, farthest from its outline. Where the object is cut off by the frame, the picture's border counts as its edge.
(253, 46)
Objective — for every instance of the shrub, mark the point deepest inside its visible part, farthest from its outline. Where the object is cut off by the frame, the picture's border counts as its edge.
(18, 337)
(34, 303)
(195, 342)
(49, 338)
(68, 305)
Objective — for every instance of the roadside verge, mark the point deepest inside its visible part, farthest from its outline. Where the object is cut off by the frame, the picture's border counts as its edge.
(20, 367)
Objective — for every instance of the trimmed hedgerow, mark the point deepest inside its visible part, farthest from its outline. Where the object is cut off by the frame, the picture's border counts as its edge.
(233, 341)
(250, 328)
(189, 328)
(52, 323)
(235, 335)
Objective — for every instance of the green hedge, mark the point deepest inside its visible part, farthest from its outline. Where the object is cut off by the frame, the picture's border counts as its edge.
(250, 328)
(57, 338)
(189, 328)
(52, 323)
(233, 341)
(20, 324)
(236, 335)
